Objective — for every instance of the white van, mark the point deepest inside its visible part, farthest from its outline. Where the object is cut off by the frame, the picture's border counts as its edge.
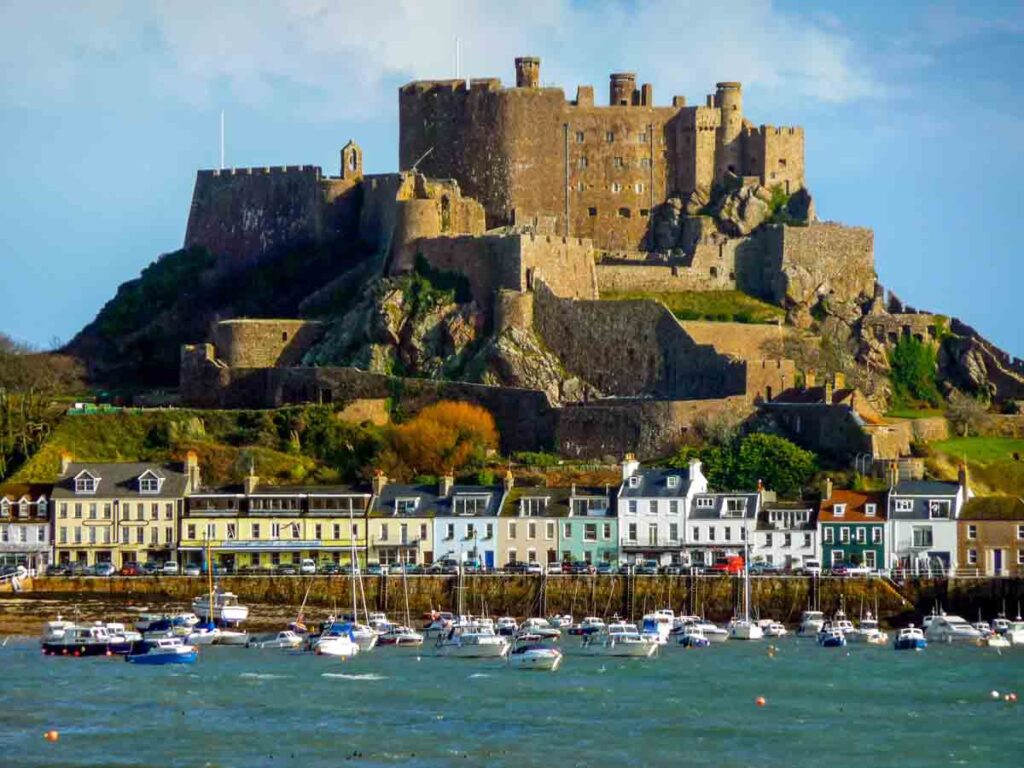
(307, 566)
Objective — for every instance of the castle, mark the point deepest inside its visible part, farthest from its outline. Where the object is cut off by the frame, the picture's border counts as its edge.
(598, 172)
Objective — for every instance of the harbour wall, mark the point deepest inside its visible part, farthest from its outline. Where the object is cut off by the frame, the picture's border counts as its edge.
(779, 598)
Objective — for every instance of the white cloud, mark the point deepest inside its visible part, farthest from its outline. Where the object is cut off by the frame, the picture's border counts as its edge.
(333, 57)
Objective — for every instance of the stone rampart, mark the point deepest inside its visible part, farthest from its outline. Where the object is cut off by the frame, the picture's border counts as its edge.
(264, 343)
(749, 341)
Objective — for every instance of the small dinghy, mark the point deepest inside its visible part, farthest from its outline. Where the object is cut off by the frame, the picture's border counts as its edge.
(165, 651)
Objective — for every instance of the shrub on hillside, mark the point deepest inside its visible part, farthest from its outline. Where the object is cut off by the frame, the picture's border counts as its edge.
(913, 367)
(446, 436)
(780, 464)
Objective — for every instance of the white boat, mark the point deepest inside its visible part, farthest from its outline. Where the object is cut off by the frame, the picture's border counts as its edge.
(54, 630)
(224, 605)
(506, 626)
(379, 623)
(337, 641)
(619, 639)
(285, 639)
(945, 628)
(205, 634)
(744, 628)
(563, 621)
(227, 636)
(713, 632)
(438, 621)
(657, 626)
(996, 640)
(589, 626)
(165, 651)
(1001, 624)
(774, 629)
(1015, 631)
(145, 619)
(538, 657)
(472, 641)
(680, 623)
(401, 637)
(868, 632)
(541, 628)
(842, 623)
(811, 623)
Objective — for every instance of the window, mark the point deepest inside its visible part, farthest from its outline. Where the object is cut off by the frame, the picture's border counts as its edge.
(93, 511)
(673, 531)
(735, 507)
(837, 556)
(106, 511)
(471, 531)
(767, 539)
(1020, 531)
(870, 509)
(787, 539)
(405, 506)
(844, 535)
(154, 536)
(904, 505)
(531, 530)
(489, 531)
(549, 531)
(384, 532)
(512, 555)
(512, 530)
(168, 511)
(617, 163)
(609, 136)
(938, 509)
(972, 557)
(275, 530)
(154, 512)
(78, 510)
(705, 502)
(652, 506)
(616, 187)
(449, 530)
(625, 213)
(126, 535)
(672, 481)
(190, 531)
(839, 510)
(807, 540)
(972, 531)
(606, 534)
(470, 505)
(828, 535)
(645, 163)
(140, 511)
(728, 533)
(922, 536)
(580, 137)
(85, 483)
(592, 212)
(211, 530)
(337, 530)
(632, 506)
(582, 163)
(1020, 557)
(232, 531)
(533, 507)
(590, 532)
(696, 533)
(673, 507)
(256, 531)
(78, 535)
(639, 187)
(149, 483)
(876, 535)
(92, 535)
(652, 533)
(632, 531)
(862, 535)
(581, 187)
(140, 535)
(318, 531)
(711, 533)
(63, 509)
(63, 535)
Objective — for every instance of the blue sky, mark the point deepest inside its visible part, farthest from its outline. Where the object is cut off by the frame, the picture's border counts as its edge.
(913, 114)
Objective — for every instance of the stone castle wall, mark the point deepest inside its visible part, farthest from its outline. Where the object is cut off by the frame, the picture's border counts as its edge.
(259, 343)
(745, 340)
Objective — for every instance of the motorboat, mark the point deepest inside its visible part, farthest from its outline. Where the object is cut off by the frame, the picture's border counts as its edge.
(224, 606)
(203, 634)
(438, 621)
(186, 619)
(364, 636)
(285, 639)
(744, 629)
(80, 641)
(336, 640)
(1015, 632)
(868, 632)
(620, 639)
(995, 640)
(563, 621)
(910, 639)
(589, 626)
(984, 629)
(145, 620)
(679, 623)
(842, 623)
(541, 628)
(693, 637)
(228, 636)
(1001, 624)
(166, 650)
(399, 636)
(506, 626)
(831, 637)
(772, 628)
(54, 630)
(657, 626)
(811, 623)
(472, 641)
(538, 657)
(378, 622)
(119, 631)
(947, 628)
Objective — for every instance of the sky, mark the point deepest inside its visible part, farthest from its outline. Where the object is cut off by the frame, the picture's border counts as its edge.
(913, 115)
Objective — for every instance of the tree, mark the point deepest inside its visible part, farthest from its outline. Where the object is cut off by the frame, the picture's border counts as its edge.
(445, 436)
(912, 366)
(966, 413)
(780, 464)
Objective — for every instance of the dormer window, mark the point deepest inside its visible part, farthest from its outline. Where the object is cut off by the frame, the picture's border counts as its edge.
(634, 482)
(470, 505)
(4, 508)
(705, 502)
(149, 482)
(23, 508)
(85, 482)
(406, 506)
(673, 481)
(41, 508)
(839, 510)
(870, 509)
(735, 507)
(533, 507)
(904, 505)
(938, 509)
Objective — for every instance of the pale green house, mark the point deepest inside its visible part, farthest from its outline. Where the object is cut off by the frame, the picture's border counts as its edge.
(590, 532)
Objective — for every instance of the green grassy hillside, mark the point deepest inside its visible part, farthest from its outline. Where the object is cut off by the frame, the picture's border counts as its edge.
(996, 464)
(726, 306)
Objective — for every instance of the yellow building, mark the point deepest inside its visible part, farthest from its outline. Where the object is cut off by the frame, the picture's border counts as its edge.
(252, 529)
(401, 523)
(119, 512)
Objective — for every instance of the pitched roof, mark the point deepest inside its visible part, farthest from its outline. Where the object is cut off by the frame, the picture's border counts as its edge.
(925, 488)
(855, 502)
(16, 491)
(557, 506)
(653, 484)
(120, 479)
(714, 512)
(431, 504)
(236, 489)
(993, 508)
(764, 522)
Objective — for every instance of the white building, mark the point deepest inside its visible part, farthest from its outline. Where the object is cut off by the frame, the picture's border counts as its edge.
(718, 525)
(466, 524)
(652, 506)
(786, 535)
(922, 529)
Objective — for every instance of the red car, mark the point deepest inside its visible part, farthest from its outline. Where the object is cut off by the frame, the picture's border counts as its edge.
(131, 569)
(731, 565)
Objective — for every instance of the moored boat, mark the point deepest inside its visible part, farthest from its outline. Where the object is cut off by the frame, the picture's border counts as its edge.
(472, 641)
(620, 639)
(506, 626)
(588, 626)
(220, 606)
(537, 657)
(399, 636)
(285, 639)
(831, 637)
(811, 623)
(80, 641)
(336, 640)
(540, 628)
(165, 650)
(910, 639)
(946, 628)
(772, 628)
(868, 632)
(693, 637)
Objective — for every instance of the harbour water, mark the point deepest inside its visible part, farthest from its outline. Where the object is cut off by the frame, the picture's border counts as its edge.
(244, 707)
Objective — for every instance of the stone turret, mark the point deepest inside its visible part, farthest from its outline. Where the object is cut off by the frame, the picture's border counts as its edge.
(729, 100)
(621, 89)
(527, 72)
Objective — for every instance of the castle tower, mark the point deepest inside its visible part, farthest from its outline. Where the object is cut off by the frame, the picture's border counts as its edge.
(621, 89)
(729, 149)
(527, 72)
(351, 161)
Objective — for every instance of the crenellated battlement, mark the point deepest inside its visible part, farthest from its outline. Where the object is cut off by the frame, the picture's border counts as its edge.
(268, 170)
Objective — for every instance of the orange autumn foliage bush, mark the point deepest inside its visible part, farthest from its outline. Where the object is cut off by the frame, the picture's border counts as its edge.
(444, 436)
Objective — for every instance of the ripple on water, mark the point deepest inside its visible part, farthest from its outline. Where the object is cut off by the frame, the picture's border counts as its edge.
(346, 676)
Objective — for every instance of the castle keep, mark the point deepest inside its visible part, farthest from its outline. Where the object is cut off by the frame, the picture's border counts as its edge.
(599, 172)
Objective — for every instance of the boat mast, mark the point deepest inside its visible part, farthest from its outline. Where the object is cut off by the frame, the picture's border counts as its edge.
(746, 581)
(352, 562)
(209, 577)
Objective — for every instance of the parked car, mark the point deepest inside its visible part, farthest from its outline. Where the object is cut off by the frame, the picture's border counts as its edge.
(170, 568)
(647, 568)
(732, 565)
(672, 569)
(253, 570)
(626, 568)
(809, 568)
(374, 569)
(554, 569)
(131, 568)
(850, 570)
(414, 569)
(329, 569)
(104, 569)
(763, 569)
(79, 568)
(286, 569)
(515, 566)
(474, 566)
(192, 570)
(396, 569)
(150, 568)
(605, 569)
(581, 567)
(347, 570)
(535, 568)
(307, 566)
(58, 569)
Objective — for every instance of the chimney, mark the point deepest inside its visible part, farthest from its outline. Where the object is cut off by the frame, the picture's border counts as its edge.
(527, 72)
(647, 95)
(378, 482)
(444, 485)
(629, 466)
(962, 477)
(894, 474)
(509, 481)
(251, 481)
(826, 491)
(585, 96)
(810, 380)
(695, 473)
(828, 392)
(839, 380)
(192, 471)
(65, 461)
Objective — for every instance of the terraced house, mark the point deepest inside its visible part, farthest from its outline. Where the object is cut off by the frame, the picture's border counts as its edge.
(786, 535)
(922, 526)
(852, 526)
(466, 523)
(251, 527)
(591, 531)
(25, 525)
(719, 525)
(401, 522)
(991, 537)
(119, 512)
(529, 522)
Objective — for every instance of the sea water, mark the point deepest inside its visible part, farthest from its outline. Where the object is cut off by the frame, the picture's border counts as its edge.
(243, 707)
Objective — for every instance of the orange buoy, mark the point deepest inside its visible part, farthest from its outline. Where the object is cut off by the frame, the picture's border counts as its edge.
(760, 701)
(51, 735)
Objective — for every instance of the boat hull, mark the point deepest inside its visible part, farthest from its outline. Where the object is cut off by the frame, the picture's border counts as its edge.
(473, 651)
(543, 662)
(694, 641)
(161, 659)
(80, 649)
(917, 644)
(623, 650)
(336, 647)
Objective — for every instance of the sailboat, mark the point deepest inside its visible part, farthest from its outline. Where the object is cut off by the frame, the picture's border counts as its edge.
(402, 636)
(745, 629)
(469, 639)
(207, 632)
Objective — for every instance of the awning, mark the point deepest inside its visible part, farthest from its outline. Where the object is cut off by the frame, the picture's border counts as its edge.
(272, 546)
